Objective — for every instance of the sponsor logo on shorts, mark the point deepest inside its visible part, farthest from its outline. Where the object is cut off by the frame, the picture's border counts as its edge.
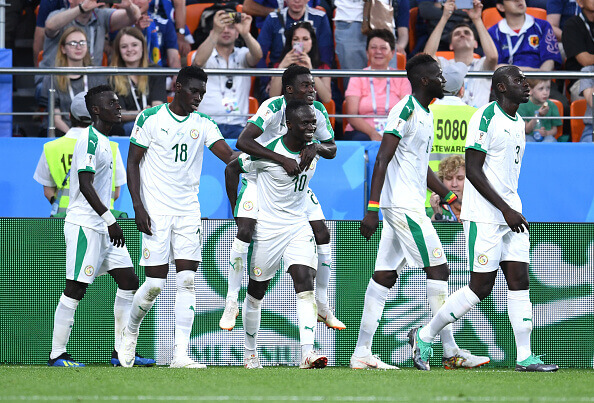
(482, 259)
(146, 253)
(248, 206)
(89, 270)
(194, 134)
(257, 271)
(437, 252)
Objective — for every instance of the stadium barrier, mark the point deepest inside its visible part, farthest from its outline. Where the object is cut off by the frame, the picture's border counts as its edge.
(562, 276)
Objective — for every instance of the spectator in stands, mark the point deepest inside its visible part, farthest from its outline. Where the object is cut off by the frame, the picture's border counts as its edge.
(73, 51)
(463, 43)
(301, 48)
(351, 43)
(45, 8)
(135, 93)
(559, 11)
(578, 42)
(227, 97)
(586, 88)
(374, 96)
(539, 106)
(261, 8)
(452, 172)
(174, 11)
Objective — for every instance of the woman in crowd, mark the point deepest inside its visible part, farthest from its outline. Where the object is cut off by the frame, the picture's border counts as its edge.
(134, 91)
(301, 48)
(374, 96)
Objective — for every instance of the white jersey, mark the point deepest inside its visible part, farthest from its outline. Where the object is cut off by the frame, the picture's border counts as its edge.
(271, 119)
(502, 138)
(406, 177)
(281, 198)
(92, 153)
(171, 167)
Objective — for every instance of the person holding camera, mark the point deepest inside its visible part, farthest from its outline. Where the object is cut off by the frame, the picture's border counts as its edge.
(228, 96)
(301, 48)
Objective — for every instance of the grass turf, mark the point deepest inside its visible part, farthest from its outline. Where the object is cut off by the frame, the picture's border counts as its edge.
(99, 383)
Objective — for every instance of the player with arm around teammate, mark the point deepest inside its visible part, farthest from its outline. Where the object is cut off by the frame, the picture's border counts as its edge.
(94, 240)
(399, 184)
(267, 124)
(282, 232)
(164, 167)
(495, 230)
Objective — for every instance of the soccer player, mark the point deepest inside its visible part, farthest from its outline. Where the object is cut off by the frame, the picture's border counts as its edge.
(408, 235)
(282, 231)
(94, 240)
(267, 124)
(495, 230)
(164, 166)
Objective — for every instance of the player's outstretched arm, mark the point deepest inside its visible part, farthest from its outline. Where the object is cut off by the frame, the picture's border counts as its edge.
(232, 172)
(475, 174)
(327, 150)
(248, 144)
(116, 235)
(135, 155)
(384, 156)
(437, 186)
(223, 152)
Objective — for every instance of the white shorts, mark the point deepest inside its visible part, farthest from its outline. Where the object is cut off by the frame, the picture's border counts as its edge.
(294, 245)
(174, 237)
(90, 254)
(489, 244)
(408, 237)
(247, 203)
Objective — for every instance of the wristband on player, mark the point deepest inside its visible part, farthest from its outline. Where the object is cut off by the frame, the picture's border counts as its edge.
(373, 206)
(108, 218)
(450, 197)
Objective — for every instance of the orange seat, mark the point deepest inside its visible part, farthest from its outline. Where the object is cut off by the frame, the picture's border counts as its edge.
(400, 61)
(491, 15)
(577, 108)
(39, 57)
(448, 54)
(412, 28)
(560, 108)
(189, 57)
(331, 109)
(169, 99)
(253, 106)
(193, 14)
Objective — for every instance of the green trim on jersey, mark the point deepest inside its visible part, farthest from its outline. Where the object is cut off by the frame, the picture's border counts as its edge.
(240, 195)
(213, 144)
(205, 116)
(287, 148)
(145, 114)
(277, 104)
(486, 117)
(258, 122)
(241, 165)
(133, 141)
(249, 257)
(395, 133)
(417, 234)
(320, 106)
(92, 141)
(422, 107)
(173, 116)
(81, 250)
(272, 145)
(477, 147)
(471, 242)
(515, 118)
(406, 113)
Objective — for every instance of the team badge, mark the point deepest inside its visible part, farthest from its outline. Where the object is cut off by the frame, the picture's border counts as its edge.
(194, 134)
(257, 271)
(437, 252)
(146, 253)
(248, 206)
(482, 259)
(89, 270)
(533, 40)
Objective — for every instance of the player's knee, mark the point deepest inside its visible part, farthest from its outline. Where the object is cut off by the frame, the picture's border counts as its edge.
(245, 229)
(257, 289)
(185, 280)
(75, 289)
(128, 282)
(482, 291)
(154, 287)
(385, 278)
(321, 232)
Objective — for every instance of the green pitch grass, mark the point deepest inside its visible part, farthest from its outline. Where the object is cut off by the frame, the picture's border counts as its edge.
(102, 383)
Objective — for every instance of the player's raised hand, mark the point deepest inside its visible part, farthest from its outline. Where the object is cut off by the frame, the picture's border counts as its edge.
(116, 235)
(369, 224)
(291, 167)
(142, 219)
(515, 220)
(307, 155)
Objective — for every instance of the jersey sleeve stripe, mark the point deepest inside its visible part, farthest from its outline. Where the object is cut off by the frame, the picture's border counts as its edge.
(394, 132)
(92, 142)
(408, 109)
(477, 147)
(258, 122)
(212, 145)
(87, 169)
(486, 118)
(136, 143)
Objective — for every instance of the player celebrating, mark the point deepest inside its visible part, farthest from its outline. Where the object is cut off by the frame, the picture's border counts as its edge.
(496, 232)
(94, 240)
(164, 166)
(267, 124)
(282, 231)
(408, 235)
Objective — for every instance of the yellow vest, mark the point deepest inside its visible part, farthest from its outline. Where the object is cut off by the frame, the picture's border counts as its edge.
(58, 154)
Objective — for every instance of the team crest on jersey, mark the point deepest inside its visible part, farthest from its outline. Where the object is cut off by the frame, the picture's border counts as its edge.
(533, 40)
(437, 253)
(482, 259)
(248, 206)
(257, 271)
(146, 253)
(89, 270)
(194, 134)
